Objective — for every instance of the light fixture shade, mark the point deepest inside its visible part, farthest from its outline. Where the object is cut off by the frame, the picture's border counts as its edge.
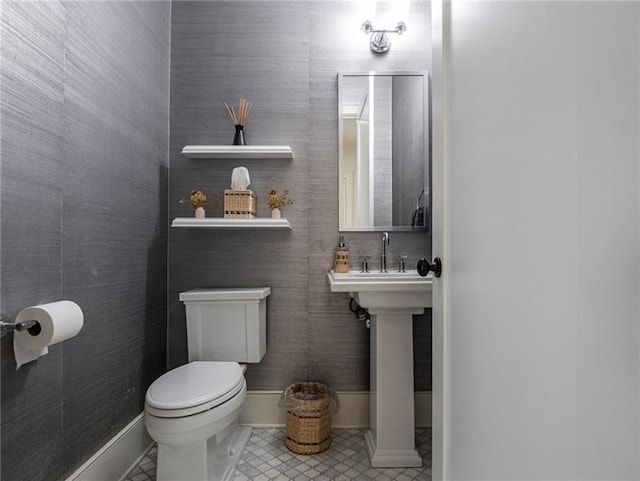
(367, 10)
(400, 10)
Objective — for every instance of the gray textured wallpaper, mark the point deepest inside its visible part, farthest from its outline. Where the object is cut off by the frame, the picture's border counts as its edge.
(83, 180)
(284, 56)
(84, 185)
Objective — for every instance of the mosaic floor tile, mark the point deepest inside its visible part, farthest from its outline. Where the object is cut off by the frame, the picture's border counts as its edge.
(267, 459)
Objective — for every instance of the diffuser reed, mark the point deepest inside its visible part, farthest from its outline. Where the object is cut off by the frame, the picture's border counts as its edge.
(239, 118)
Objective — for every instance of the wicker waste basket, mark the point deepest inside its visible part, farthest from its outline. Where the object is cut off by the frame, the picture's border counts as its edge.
(309, 407)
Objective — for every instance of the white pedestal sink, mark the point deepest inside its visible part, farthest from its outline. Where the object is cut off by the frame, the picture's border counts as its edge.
(392, 299)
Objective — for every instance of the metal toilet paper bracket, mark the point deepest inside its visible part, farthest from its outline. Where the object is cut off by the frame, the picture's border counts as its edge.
(33, 327)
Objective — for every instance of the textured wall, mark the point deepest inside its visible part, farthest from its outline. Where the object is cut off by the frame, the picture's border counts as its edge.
(83, 176)
(283, 56)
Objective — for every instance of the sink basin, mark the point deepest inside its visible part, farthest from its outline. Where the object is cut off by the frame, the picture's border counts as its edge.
(384, 290)
(410, 274)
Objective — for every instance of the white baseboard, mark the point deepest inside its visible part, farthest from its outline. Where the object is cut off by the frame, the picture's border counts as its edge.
(261, 409)
(115, 458)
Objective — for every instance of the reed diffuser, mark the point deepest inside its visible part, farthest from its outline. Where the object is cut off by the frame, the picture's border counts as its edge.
(239, 118)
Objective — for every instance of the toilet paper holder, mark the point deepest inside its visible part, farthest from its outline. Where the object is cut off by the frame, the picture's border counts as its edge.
(33, 327)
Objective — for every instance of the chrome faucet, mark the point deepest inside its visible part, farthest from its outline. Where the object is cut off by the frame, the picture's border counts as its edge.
(383, 257)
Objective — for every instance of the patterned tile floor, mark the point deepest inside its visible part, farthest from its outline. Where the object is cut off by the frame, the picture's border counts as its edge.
(266, 458)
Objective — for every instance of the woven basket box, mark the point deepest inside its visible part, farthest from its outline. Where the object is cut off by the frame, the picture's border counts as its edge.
(239, 204)
(308, 429)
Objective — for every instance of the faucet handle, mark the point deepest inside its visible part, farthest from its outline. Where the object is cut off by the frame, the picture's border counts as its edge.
(365, 263)
(402, 261)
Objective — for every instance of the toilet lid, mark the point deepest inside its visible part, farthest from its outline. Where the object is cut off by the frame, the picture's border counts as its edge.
(193, 384)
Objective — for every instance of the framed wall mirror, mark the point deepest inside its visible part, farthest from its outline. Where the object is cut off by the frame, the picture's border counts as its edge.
(383, 163)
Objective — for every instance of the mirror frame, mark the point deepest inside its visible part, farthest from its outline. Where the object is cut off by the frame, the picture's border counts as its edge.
(427, 118)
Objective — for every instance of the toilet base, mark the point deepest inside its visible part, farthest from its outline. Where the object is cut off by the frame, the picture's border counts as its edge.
(223, 458)
(204, 461)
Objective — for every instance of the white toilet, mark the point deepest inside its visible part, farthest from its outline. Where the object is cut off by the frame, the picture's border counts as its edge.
(192, 411)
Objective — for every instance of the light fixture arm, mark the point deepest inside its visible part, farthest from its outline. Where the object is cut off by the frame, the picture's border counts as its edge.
(379, 41)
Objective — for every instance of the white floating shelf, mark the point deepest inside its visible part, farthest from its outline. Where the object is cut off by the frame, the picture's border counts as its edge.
(219, 223)
(237, 152)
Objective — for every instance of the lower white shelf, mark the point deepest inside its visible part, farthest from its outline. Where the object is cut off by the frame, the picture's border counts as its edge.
(220, 223)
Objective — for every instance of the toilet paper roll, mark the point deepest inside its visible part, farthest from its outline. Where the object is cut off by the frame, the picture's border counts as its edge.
(58, 321)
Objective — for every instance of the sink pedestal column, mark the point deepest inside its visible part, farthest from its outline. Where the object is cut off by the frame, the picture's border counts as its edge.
(392, 300)
(391, 438)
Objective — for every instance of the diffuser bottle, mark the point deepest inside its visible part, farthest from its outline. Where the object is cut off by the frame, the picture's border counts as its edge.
(341, 260)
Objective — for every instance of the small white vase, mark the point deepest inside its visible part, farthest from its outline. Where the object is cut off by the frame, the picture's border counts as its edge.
(275, 213)
(200, 213)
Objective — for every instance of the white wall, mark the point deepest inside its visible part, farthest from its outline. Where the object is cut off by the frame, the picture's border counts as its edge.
(544, 241)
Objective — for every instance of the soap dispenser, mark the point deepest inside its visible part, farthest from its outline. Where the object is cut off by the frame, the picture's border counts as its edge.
(341, 261)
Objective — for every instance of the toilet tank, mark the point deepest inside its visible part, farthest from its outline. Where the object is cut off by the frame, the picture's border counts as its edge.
(226, 324)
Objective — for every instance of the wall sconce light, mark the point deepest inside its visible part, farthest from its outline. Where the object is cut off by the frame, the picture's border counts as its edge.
(379, 41)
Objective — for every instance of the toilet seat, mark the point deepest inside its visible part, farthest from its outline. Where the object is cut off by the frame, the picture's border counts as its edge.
(194, 388)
